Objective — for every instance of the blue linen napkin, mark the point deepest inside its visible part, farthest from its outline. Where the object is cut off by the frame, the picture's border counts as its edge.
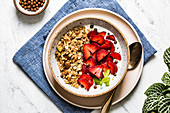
(29, 57)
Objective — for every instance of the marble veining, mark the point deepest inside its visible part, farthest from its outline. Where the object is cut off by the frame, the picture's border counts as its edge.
(18, 94)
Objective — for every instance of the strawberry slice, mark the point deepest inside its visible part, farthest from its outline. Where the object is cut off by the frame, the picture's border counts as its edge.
(107, 45)
(96, 70)
(116, 55)
(90, 62)
(98, 39)
(112, 66)
(103, 33)
(98, 47)
(84, 69)
(92, 33)
(94, 55)
(84, 82)
(104, 66)
(101, 54)
(109, 58)
(88, 78)
(111, 37)
(88, 50)
(112, 48)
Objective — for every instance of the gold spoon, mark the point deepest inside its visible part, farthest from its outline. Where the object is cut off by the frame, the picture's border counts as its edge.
(135, 56)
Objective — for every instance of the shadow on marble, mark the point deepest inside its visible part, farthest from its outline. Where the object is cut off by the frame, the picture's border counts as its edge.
(29, 19)
(151, 58)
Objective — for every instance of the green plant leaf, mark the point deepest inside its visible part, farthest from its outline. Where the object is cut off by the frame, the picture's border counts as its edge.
(156, 88)
(167, 95)
(167, 90)
(167, 57)
(106, 80)
(106, 73)
(151, 103)
(166, 78)
(164, 105)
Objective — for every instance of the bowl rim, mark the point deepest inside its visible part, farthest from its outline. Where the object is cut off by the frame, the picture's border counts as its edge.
(49, 57)
(36, 13)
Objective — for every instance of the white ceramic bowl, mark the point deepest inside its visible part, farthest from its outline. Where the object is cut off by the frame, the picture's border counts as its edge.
(30, 13)
(123, 64)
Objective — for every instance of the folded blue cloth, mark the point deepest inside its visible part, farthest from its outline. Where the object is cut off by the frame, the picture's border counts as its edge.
(29, 57)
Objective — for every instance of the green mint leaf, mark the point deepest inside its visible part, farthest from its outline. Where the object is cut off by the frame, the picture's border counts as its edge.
(156, 88)
(166, 78)
(101, 83)
(107, 83)
(106, 73)
(167, 57)
(164, 105)
(151, 103)
(96, 80)
(106, 80)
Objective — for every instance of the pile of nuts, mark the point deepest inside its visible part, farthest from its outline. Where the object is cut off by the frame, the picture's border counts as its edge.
(31, 5)
(69, 54)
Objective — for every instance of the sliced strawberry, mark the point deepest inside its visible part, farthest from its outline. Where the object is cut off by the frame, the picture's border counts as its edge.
(84, 69)
(88, 50)
(85, 83)
(104, 66)
(90, 62)
(101, 54)
(96, 70)
(111, 37)
(107, 45)
(112, 48)
(98, 39)
(94, 55)
(109, 58)
(98, 47)
(92, 33)
(88, 78)
(115, 55)
(112, 66)
(103, 33)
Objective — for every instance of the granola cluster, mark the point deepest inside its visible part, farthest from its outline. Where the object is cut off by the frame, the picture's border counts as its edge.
(69, 54)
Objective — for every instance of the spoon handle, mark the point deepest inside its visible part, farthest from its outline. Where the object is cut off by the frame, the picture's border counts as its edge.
(106, 106)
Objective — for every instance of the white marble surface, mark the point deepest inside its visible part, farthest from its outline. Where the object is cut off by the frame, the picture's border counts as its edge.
(18, 94)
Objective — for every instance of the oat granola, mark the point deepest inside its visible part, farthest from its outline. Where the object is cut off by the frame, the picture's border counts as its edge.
(69, 54)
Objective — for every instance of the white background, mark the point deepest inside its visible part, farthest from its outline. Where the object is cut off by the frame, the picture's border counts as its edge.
(18, 94)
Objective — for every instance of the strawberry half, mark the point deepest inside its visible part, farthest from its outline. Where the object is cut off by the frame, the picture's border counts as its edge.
(84, 82)
(92, 33)
(88, 78)
(98, 47)
(112, 48)
(101, 54)
(90, 62)
(88, 50)
(107, 45)
(109, 58)
(104, 66)
(115, 55)
(111, 37)
(96, 70)
(84, 69)
(98, 39)
(94, 55)
(103, 33)
(112, 66)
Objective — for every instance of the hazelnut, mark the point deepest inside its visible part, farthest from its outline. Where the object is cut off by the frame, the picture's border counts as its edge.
(67, 64)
